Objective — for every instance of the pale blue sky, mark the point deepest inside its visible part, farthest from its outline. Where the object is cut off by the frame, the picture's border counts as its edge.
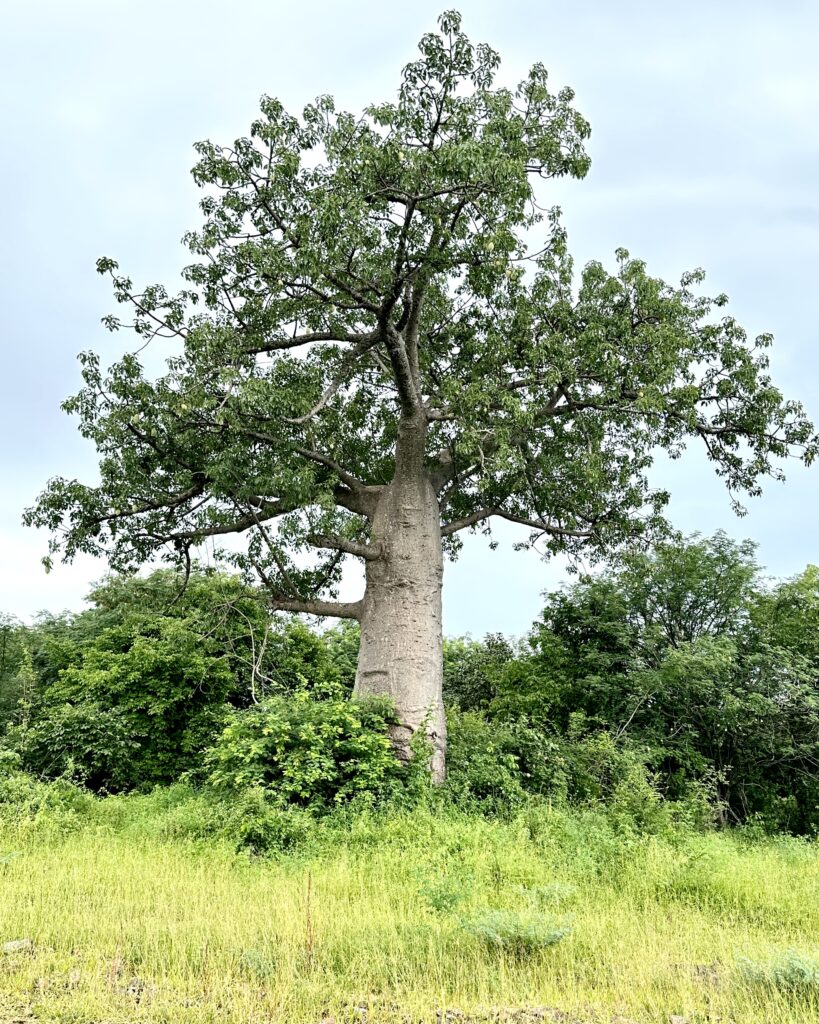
(705, 152)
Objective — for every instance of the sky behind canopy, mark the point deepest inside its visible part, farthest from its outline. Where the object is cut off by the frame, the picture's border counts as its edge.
(705, 152)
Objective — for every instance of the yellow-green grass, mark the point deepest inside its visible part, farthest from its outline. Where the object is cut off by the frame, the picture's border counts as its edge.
(131, 921)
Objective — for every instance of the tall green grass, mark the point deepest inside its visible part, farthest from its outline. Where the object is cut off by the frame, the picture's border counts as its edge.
(135, 914)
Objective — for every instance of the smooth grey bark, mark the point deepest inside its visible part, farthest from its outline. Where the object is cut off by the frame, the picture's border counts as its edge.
(401, 653)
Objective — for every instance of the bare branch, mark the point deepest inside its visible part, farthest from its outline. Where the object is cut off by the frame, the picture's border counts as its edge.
(349, 547)
(336, 609)
(308, 339)
(367, 342)
(539, 525)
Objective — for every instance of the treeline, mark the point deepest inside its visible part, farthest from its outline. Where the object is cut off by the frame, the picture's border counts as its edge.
(678, 678)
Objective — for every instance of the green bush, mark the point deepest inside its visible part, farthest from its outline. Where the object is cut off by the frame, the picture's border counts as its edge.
(483, 766)
(269, 828)
(304, 751)
(788, 971)
(137, 707)
(58, 806)
(92, 744)
(499, 764)
(10, 762)
(444, 892)
(521, 935)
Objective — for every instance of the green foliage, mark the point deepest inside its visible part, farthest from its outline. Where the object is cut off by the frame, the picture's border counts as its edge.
(674, 686)
(497, 765)
(444, 892)
(12, 653)
(790, 971)
(676, 662)
(87, 741)
(43, 808)
(300, 658)
(139, 707)
(310, 752)
(10, 762)
(268, 827)
(473, 670)
(130, 692)
(518, 934)
(482, 761)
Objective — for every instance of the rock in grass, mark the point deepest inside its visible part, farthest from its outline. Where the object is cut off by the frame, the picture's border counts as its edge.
(18, 946)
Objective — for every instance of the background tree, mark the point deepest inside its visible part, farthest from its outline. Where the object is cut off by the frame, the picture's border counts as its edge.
(682, 655)
(369, 358)
(12, 649)
(131, 691)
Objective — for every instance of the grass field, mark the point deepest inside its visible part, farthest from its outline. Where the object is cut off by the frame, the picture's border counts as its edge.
(131, 917)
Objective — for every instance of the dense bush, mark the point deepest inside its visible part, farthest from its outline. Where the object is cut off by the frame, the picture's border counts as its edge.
(677, 667)
(483, 762)
(132, 691)
(519, 934)
(138, 707)
(309, 752)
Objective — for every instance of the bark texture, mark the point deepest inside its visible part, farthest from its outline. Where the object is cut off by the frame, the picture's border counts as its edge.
(401, 654)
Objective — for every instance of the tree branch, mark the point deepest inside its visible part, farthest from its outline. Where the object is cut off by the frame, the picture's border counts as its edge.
(349, 547)
(364, 345)
(154, 506)
(309, 338)
(323, 460)
(337, 609)
(401, 368)
(482, 514)
(271, 510)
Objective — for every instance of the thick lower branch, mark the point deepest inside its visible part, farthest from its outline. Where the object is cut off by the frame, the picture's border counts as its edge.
(362, 502)
(336, 609)
(349, 547)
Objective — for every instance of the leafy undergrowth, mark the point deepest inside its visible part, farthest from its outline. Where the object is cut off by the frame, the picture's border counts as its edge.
(142, 908)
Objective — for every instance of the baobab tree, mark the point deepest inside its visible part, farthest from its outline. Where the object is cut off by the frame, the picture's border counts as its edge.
(381, 343)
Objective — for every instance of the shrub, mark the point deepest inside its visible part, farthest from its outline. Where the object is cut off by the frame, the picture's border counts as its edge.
(496, 764)
(518, 934)
(136, 707)
(10, 762)
(270, 828)
(482, 763)
(86, 741)
(303, 751)
(58, 806)
(443, 893)
(788, 971)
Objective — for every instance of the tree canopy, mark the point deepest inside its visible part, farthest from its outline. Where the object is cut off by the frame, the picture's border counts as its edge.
(355, 273)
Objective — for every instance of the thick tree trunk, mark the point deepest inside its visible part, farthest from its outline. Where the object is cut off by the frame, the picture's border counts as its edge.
(401, 654)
